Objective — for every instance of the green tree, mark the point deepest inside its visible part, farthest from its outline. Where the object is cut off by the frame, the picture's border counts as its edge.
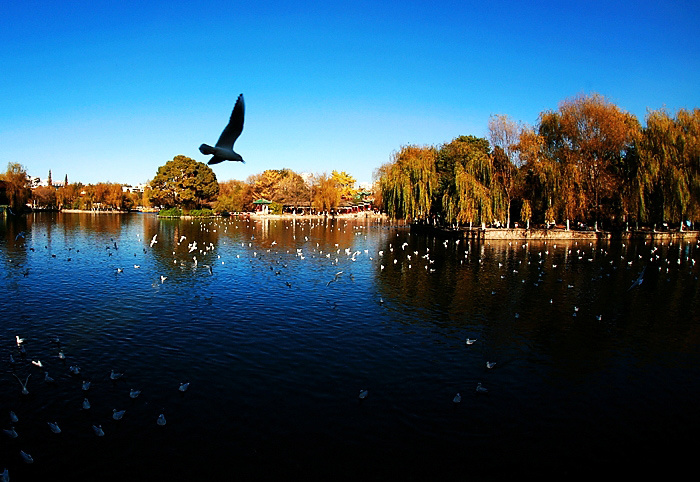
(184, 182)
(407, 184)
(17, 186)
(670, 164)
(465, 170)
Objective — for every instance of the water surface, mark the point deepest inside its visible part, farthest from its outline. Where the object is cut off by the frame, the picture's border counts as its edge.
(278, 325)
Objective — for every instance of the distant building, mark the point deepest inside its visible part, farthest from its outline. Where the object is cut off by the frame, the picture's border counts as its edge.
(139, 188)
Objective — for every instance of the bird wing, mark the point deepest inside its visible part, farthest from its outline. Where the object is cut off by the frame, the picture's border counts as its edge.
(234, 127)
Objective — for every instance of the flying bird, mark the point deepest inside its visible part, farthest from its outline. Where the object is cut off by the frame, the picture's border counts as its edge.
(223, 151)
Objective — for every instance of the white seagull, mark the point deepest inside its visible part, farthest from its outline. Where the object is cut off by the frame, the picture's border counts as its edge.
(134, 393)
(184, 386)
(161, 420)
(223, 151)
(118, 414)
(153, 241)
(24, 385)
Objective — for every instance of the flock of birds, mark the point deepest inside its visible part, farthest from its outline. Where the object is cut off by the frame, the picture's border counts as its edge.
(21, 361)
(276, 257)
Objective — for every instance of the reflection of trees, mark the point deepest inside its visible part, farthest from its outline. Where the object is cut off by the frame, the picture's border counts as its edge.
(484, 289)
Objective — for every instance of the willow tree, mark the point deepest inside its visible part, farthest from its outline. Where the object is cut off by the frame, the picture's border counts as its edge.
(589, 139)
(465, 169)
(408, 182)
(670, 160)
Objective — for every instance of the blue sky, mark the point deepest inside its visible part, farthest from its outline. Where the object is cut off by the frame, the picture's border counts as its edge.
(110, 91)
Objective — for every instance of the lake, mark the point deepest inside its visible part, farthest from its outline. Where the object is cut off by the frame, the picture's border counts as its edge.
(278, 325)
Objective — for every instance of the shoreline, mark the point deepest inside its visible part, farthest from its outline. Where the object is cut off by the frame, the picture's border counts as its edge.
(540, 234)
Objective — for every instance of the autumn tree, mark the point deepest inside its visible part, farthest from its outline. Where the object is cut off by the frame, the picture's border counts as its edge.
(68, 196)
(231, 197)
(44, 197)
(345, 182)
(184, 182)
(292, 190)
(17, 187)
(590, 138)
(325, 193)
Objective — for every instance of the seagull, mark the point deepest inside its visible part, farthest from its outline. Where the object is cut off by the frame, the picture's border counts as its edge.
(74, 369)
(19, 340)
(161, 420)
(118, 414)
(86, 404)
(10, 432)
(114, 375)
(54, 427)
(490, 364)
(184, 386)
(480, 388)
(470, 341)
(457, 399)
(26, 457)
(223, 151)
(98, 430)
(48, 379)
(61, 355)
(134, 393)
(13, 417)
(86, 385)
(24, 385)
(153, 241)
(639, 280)
(37, 363)
(363, 394)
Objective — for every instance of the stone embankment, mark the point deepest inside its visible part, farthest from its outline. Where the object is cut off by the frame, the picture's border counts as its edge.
(549, 234)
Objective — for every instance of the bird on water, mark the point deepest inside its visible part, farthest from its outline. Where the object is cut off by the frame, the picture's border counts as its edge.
(223, 151)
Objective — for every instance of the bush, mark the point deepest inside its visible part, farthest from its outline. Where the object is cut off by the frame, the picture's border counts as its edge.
(200, 213)
(276, 208)
(170, 213)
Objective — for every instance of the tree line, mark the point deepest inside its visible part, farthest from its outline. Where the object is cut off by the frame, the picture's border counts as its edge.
(586, 162)
(184, 183)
